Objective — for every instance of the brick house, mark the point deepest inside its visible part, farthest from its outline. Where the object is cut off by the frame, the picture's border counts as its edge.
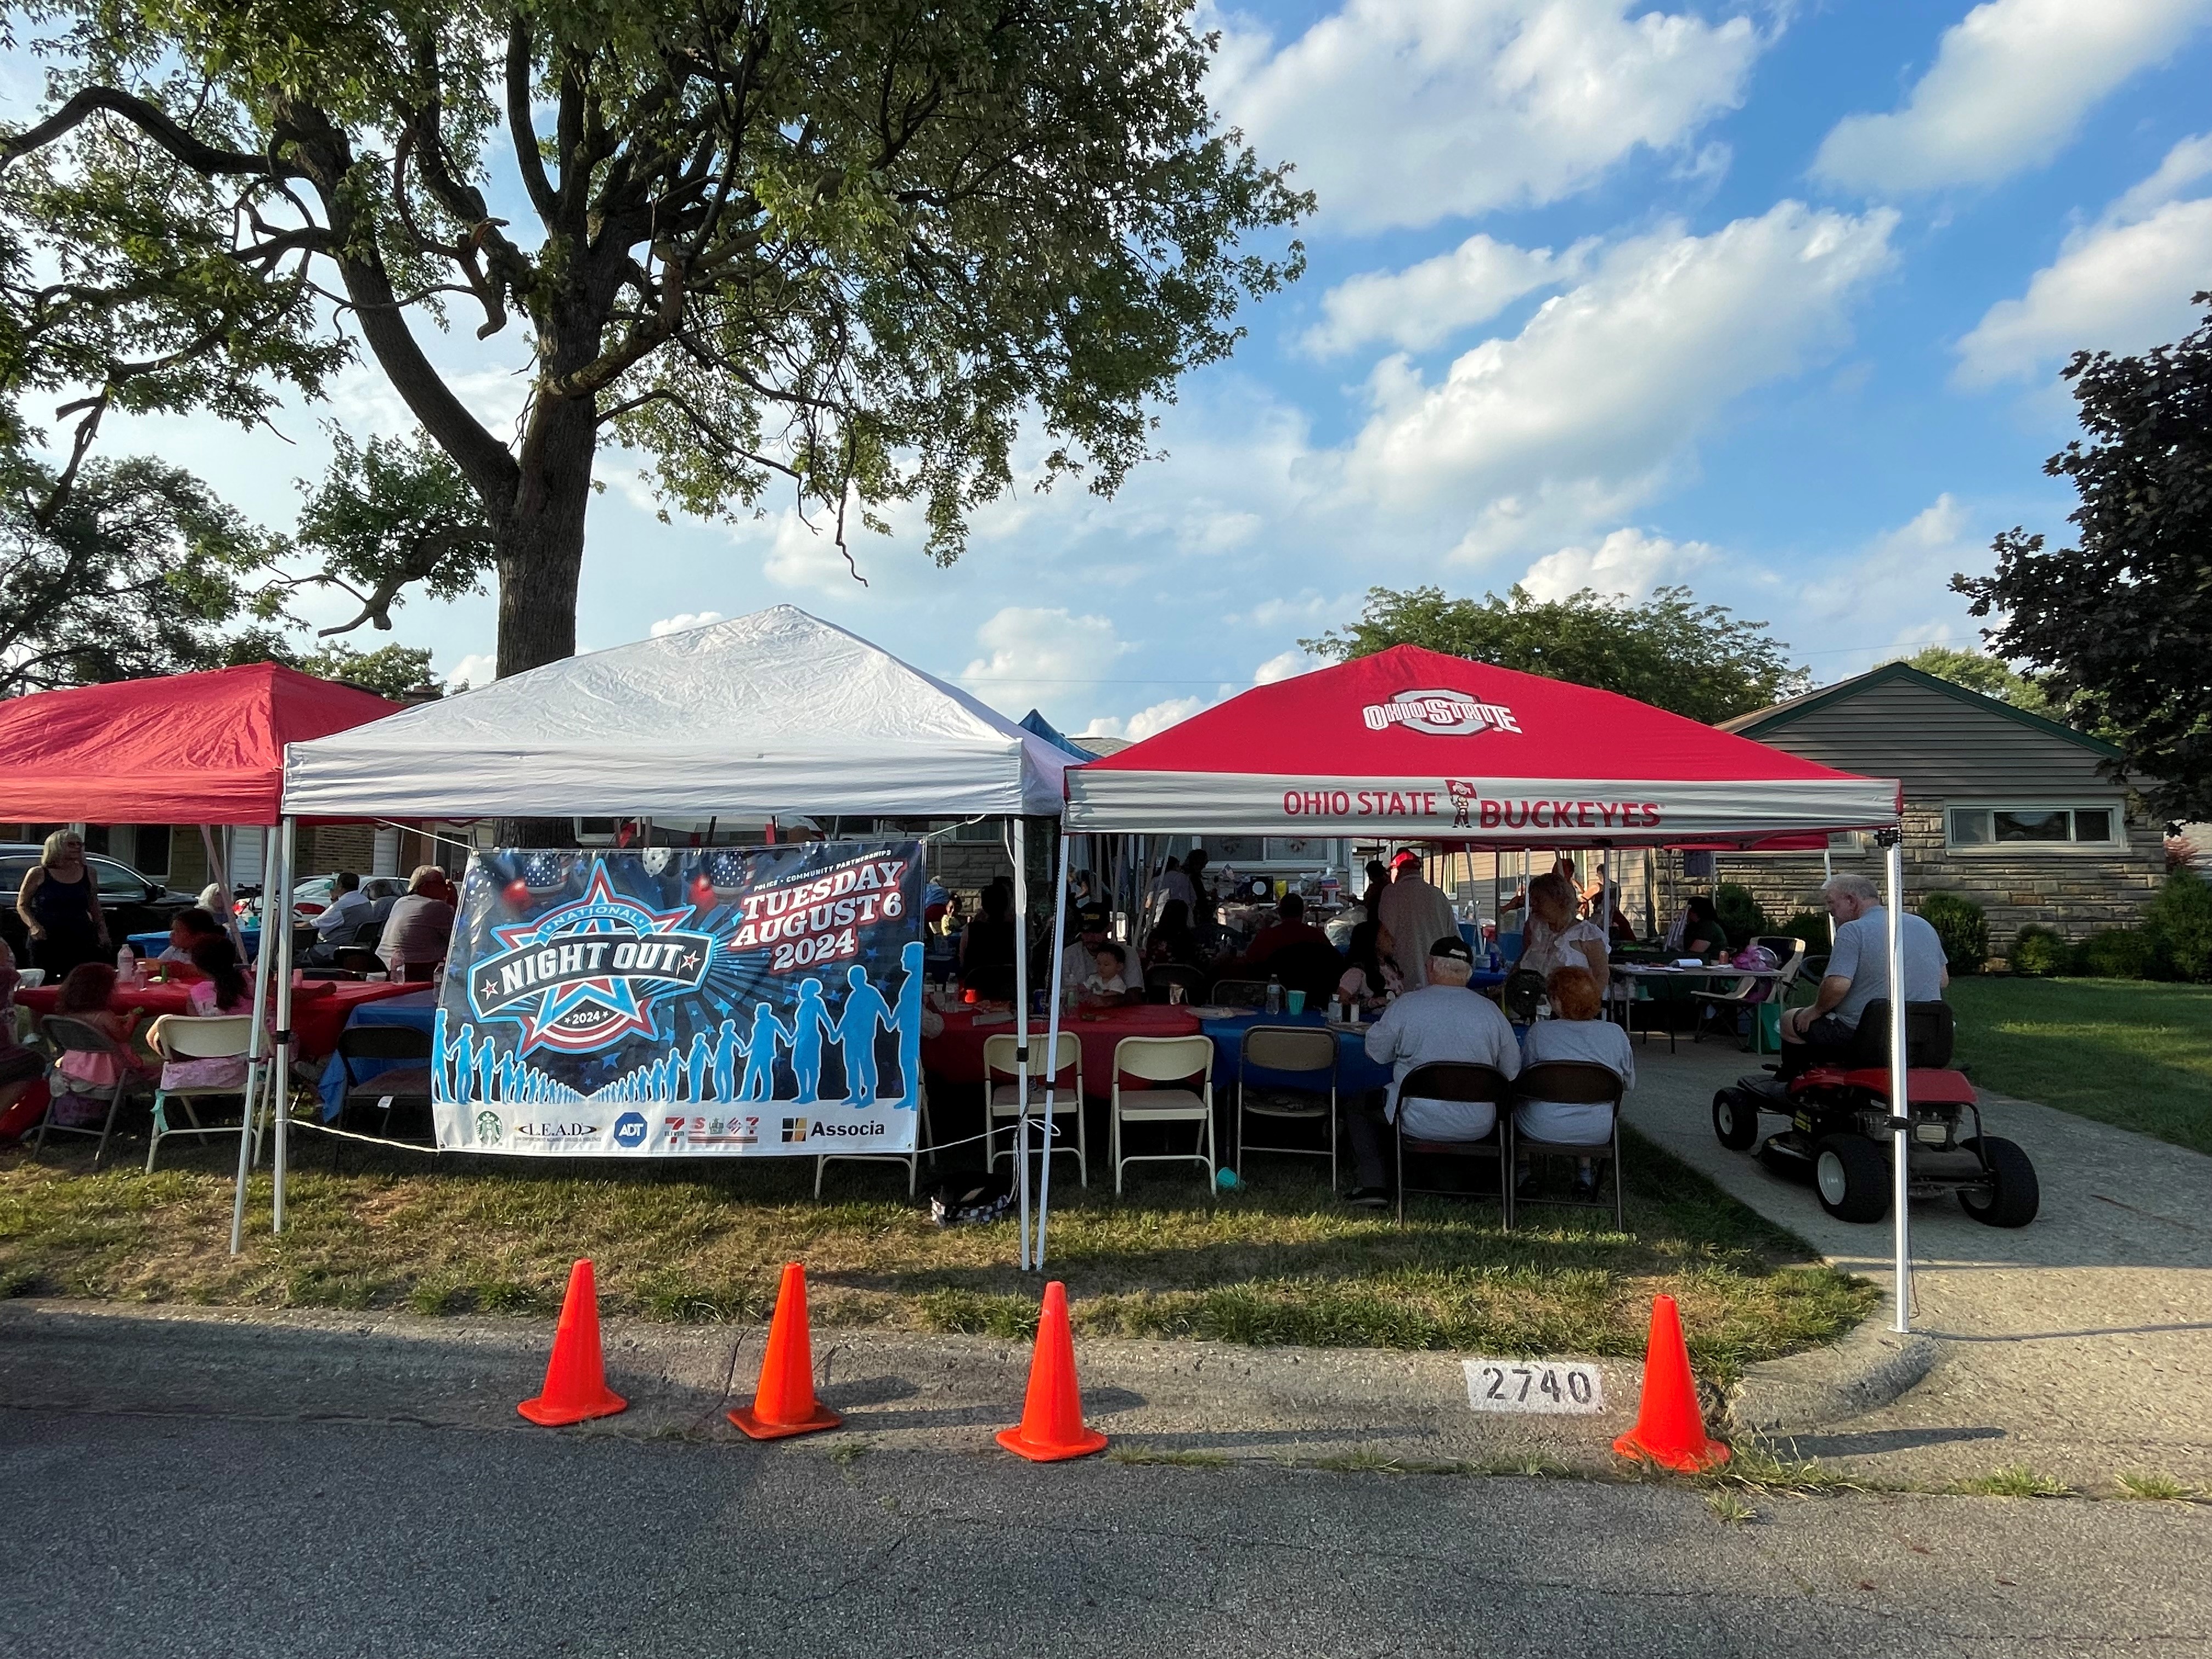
(2002, 806)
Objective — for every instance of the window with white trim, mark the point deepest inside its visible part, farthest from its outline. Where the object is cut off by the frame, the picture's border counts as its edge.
(2001, 828)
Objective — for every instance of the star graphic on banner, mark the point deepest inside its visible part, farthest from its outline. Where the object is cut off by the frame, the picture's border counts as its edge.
(617, 996)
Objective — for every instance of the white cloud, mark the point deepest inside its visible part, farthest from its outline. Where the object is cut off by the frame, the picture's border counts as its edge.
(1407, 112)
(1627, 562)
(477, 668)
(2123, 284)
(1039, 656)
(2010, 84)
(1285, 666)
(1586, 410)
(1145, 722)
(681, 622)
(1891, 596)
(1428, 302)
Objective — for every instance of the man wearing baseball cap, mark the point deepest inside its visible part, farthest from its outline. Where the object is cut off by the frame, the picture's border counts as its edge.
(1442, 1021)
(1414, 911)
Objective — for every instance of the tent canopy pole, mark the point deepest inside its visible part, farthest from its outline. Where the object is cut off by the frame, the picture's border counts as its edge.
(1022, 1027)
(280, 1092)
(1052, 1050)
(1901, 1099)
(255, 1045)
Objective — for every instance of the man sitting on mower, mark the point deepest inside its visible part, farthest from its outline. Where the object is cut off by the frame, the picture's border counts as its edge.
(1857, 974)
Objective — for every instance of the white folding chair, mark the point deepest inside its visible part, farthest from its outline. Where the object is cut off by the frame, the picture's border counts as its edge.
(1165, 1059)
(1298, 1051)
(67, 1035)
(1002, 1097)
(185, 1037)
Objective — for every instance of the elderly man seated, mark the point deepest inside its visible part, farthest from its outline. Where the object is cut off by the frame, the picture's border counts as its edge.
(1441, 1020)
(1858, 973)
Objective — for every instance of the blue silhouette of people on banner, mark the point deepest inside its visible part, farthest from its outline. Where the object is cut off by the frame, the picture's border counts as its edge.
(865, 1010)
(909, 1024)
(760, 1054)
(810, 1023)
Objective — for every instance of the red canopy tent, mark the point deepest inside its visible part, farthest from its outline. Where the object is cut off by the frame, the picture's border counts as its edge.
(1414, 745)
(185, 749)
(205, 749)
(1411, 744)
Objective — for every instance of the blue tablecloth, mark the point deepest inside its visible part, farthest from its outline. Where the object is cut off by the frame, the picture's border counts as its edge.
(152, 945)
(418, 1008)
(1355, 1073)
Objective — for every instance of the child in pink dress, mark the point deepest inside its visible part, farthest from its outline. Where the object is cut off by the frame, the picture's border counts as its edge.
(83, 997)
(226, 989)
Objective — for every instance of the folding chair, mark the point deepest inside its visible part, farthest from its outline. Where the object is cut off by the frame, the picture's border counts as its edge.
(389, 1086)
(912, 1160)
(73, 1036)
(1239, 993)
(1161, 976)
(1301, 1051)
(1790, 952)
(1002, 1097)
(187, 1036)
(1165, 1059)
(1456, 1080)
(1572, 1083)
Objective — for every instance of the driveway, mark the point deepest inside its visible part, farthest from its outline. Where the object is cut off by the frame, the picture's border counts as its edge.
(2081, 1345)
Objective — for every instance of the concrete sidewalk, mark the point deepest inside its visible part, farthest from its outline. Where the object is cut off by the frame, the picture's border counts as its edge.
(2081, 1345)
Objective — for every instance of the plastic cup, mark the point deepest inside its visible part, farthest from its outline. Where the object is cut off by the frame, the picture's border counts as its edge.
(1296, 999)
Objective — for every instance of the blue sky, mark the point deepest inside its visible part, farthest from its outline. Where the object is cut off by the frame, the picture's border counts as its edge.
(1764, 299)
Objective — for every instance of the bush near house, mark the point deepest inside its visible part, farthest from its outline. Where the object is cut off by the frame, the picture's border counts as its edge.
(2119, 953)
(1739, 913)
(1965, 930)
(2181, 918)
(1812, 926)
(2039, 952)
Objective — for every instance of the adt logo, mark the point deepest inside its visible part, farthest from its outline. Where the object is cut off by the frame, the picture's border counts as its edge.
(630, 1129)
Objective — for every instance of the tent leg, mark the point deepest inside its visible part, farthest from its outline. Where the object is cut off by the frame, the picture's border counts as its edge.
(1022, 1028)
(280, 1091)
(256, 1047)
(1901, 1099)
(1052, 1053)
(219, 872)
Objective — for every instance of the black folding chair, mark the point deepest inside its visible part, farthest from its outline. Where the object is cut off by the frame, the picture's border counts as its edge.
(1571, 1083)
(1239, 993)
(1457, 1080)
(1160, 977)
(385, 1090)
(68, 1037)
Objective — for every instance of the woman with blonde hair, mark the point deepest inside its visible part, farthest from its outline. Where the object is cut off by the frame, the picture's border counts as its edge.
(59, 904)
(1556, 936)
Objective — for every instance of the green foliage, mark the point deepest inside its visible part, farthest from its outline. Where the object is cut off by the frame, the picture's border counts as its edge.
(1739, 914)
(2119, 953)
(859, 250)
(2115, 627)
(396, 671)
(138, 571)
(1962, 927)
(1978, 671)
(1812, 926)
(2038, 951)
(2181, 917)
(1700, 661)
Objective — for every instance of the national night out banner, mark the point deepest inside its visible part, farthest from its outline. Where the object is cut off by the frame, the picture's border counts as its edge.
(679, 1002)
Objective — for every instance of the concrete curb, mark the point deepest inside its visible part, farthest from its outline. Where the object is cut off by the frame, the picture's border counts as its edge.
(1868, 1368)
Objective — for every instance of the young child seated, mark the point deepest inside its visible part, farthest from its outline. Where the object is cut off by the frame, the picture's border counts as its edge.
(1107, 982)
(224, 989)
(83, 997)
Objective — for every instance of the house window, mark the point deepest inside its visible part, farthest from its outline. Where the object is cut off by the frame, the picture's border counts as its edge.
(149, 850)
(1973, 828)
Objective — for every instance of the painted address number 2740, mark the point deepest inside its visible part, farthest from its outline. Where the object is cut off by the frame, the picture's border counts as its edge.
(1550, 1386)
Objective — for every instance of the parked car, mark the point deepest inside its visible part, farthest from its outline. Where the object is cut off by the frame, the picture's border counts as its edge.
(133, 903)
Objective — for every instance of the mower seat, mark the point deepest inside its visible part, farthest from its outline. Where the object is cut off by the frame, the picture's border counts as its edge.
(1929, 1035)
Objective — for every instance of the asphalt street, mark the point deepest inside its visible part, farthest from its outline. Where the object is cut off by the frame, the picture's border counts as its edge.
(134, 1533)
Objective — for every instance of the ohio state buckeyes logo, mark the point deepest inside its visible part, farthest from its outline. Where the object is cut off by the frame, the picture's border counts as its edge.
(1439, 713)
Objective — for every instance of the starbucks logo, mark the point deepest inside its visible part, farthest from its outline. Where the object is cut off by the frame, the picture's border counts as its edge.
(488, 1127)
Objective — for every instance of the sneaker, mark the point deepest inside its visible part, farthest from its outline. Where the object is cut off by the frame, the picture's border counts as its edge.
(1372, 1198)
(1585, 1183)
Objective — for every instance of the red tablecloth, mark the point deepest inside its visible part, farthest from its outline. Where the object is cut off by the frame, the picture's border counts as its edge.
(319, 1007)
(957, 1055)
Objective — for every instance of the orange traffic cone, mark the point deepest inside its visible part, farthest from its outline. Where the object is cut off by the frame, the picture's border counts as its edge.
(576, 1376)
(1669, 1429)
(784, 1402)
(1052, 1416)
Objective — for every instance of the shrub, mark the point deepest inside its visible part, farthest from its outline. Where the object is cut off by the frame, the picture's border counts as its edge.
(2181, 917)
(2038, 951)
(1812, 926)
(1965, 931)
(1739, 913)
(2119, 953)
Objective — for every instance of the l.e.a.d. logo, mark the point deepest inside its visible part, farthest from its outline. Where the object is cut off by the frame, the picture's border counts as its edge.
(589, 973)
(1439, 713)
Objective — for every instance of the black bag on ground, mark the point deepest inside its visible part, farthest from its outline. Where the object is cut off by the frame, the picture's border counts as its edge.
(971, 1196)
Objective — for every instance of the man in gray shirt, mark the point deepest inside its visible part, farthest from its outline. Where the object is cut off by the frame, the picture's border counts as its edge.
(1441, 1021)
(1858, 974)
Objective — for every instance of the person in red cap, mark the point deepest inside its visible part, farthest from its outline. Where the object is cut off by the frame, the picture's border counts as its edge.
(1413, 912)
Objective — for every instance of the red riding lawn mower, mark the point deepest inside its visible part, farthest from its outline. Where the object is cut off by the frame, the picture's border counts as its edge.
(1841, 1131)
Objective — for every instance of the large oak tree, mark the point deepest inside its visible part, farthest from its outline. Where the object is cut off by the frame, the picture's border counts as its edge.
(852, 244)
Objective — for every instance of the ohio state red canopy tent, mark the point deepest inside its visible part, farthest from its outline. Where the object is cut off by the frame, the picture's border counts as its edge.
(1411, 744)
(184, 749)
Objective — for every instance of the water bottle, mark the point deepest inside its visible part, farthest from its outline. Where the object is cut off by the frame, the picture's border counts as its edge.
(126, 965)
(1274, 995)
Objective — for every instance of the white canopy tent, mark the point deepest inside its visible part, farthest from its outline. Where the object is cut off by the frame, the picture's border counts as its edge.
(777, 713)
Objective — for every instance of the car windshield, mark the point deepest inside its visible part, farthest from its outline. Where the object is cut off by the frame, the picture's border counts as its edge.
(117, 880)
(315, 890)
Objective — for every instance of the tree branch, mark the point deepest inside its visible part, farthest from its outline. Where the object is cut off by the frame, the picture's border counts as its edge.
(207, 160)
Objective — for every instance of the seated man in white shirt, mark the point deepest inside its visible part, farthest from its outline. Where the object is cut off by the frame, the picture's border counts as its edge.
(1077, 960)
(336, 923)
(1441, 1020)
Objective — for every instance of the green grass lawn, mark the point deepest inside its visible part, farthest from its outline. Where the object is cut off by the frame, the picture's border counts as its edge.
(2122, 1051)
(1279, 1260)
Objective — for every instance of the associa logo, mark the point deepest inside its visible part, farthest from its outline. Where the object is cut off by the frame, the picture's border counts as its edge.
(801, 1128)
